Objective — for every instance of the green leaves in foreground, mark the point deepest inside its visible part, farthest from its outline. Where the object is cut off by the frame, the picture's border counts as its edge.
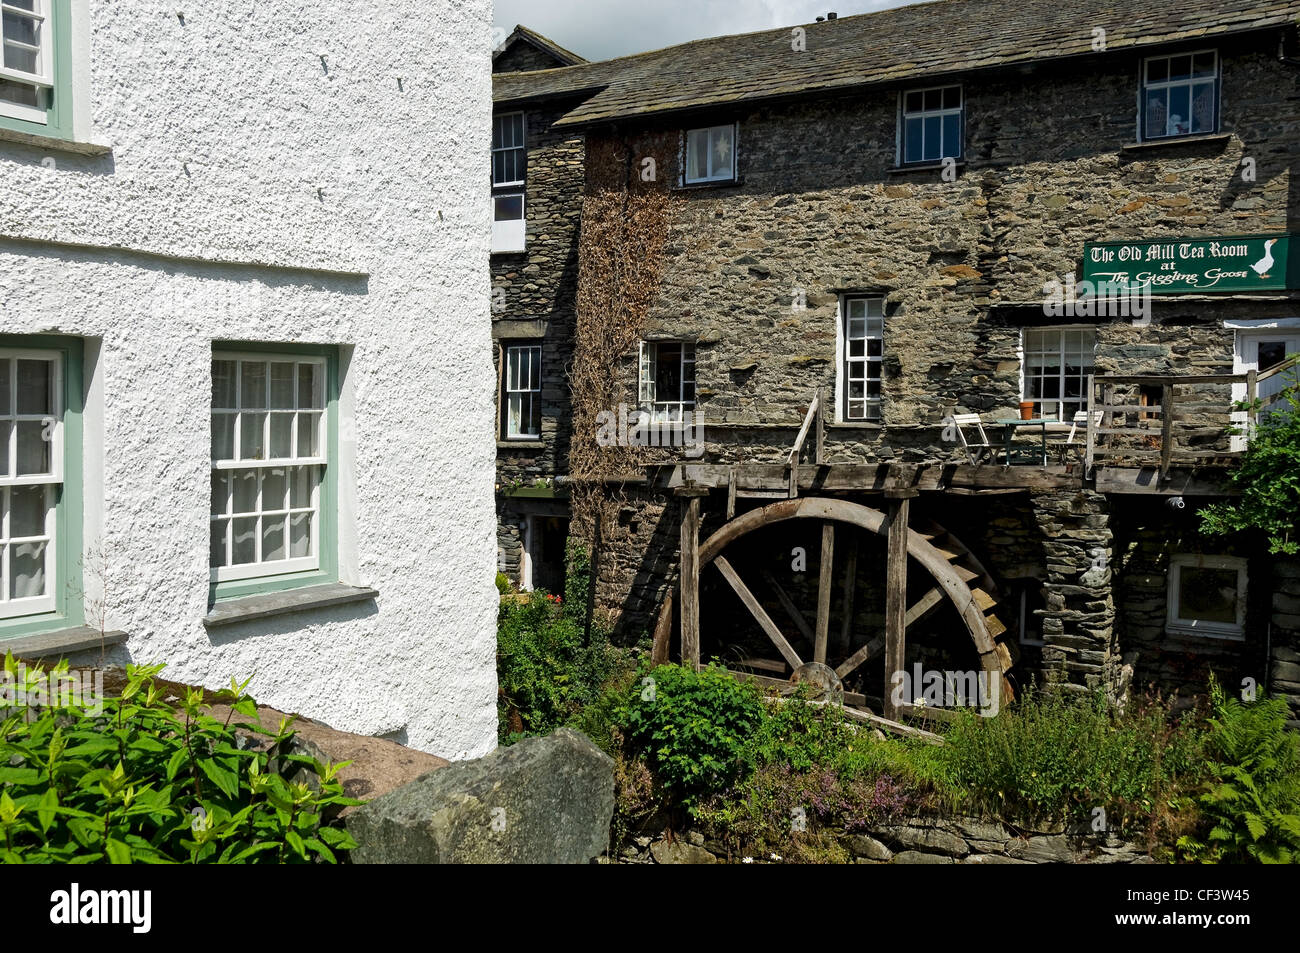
(140, 781)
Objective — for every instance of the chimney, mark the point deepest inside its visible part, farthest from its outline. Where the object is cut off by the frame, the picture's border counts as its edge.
(830, 16)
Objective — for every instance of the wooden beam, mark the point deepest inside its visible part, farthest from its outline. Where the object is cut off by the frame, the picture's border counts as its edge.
(663, 631)
(888, 724)
(895, 598)
(803, 432)
(825, 567)
(850, 586)
(821, 426)
(788, 605)
(864, 654)
(690, 582)
(923, 605)
(1166, 428)
(757, 611)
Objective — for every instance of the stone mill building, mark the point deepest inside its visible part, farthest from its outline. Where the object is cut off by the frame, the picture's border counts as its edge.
(907, 339)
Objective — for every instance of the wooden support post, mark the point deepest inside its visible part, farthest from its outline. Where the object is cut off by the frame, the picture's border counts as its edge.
(690, 573)
(1166, 429)
(821, 426)
(850, 584)
(896, 597)
(824, 592)
(1252, 393)
(731, 493)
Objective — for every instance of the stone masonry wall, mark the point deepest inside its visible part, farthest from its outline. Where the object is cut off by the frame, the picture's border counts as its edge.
(810, 214)
(959, 840)
(540, 285)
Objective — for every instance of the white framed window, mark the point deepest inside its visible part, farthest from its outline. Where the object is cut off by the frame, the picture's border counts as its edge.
(509, 172)
(31, 479)
(27, 65)
(523, 391)
(666, 379)
(1207, 596)
(269, 457)
(931, 128)
(710, 155)
(862, 330)
(1056, 365)
(1180, 95)
(509, 230)
(509, 153)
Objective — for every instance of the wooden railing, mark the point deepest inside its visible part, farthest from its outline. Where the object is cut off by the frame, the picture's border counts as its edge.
(1124, 432)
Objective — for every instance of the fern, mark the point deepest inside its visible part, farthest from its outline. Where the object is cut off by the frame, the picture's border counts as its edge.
(1252, 805)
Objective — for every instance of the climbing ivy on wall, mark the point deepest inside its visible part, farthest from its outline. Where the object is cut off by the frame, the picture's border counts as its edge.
(625, 216)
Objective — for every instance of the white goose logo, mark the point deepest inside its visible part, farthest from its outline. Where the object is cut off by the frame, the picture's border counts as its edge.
(1262, 266)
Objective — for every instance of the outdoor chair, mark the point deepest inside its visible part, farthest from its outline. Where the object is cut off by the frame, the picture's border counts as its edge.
(976, 451)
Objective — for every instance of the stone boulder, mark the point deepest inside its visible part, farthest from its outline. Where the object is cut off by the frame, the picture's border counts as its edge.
(542, 801)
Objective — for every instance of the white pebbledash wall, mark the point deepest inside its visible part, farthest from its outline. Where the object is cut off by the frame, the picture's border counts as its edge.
(284, 172)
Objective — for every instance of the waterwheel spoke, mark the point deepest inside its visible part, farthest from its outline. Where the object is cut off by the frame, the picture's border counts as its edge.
(924, 605)
(757, 611)
(824, 592)
(864, 654)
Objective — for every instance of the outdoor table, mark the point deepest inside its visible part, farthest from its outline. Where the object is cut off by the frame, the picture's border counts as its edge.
(1009, 431)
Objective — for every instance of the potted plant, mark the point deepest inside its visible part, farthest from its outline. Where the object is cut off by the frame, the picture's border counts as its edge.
(1026, 410)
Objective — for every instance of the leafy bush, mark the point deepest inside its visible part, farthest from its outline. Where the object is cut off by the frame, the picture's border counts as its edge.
(546, 673)
(1049, 757)
(807, 766)
(1268, 480)
(503, 584)
(691, 726)
(139, 781)
(1252, 805)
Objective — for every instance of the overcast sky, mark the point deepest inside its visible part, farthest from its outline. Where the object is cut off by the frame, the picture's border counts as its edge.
(600, 29)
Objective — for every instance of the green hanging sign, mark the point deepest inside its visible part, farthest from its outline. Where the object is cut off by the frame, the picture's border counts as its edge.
(1194, 265)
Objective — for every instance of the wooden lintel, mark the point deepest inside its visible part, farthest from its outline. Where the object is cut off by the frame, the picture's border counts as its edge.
(776, 478)
(1147, 480)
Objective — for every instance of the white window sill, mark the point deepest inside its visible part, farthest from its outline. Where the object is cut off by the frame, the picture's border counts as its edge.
(54, 143)
(266, 605)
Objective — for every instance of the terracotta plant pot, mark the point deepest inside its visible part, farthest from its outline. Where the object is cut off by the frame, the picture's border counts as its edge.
(1026, 410)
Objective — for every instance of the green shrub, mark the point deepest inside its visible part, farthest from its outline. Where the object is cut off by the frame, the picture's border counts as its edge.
(1251, 809)
(1056, 758)
(139, 781)
(691, 726)
(503, 584)
(1267, 481)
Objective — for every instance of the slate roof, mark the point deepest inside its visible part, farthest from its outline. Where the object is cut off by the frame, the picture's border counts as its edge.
(922, 40)
(543, 43)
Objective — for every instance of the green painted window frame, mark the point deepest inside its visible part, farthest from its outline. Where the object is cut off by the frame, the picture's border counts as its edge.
(69, 602)
(329, 509)
(58, 118)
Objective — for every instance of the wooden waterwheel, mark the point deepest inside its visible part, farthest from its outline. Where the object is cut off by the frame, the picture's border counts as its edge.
(805, 652)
